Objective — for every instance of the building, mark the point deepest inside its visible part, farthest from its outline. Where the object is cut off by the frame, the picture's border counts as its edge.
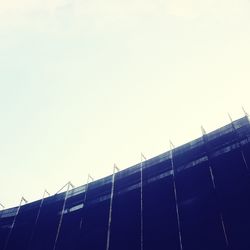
(193, 197)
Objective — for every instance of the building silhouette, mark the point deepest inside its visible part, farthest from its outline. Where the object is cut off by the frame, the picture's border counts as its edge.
(193, 197)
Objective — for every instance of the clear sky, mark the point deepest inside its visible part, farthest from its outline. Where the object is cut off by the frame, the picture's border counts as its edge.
(86, 84)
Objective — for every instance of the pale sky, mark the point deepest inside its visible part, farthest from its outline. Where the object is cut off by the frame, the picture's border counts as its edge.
(86, 84)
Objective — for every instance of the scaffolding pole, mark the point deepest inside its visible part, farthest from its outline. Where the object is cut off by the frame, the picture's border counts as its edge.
(85, 196)
(244, 111)
(37, 216)
(115, 169)
(13, 223)
(143, 159)
(68, 185)
(175, 194)
(238, 139)
(2, 206)
(204, 138)
(87, 187)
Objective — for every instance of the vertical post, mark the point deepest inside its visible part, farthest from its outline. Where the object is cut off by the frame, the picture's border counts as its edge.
(69, 185)
(37, 217)
(207, 154)
(230, 117)
(247, 117)
(111, 205)
(175, 194)
(143, 158)
(238, 140)
(85, 196)
(87, 187)
(41, 204)
(244, 111)
(2, 206)
(204, 138)
(13, 223)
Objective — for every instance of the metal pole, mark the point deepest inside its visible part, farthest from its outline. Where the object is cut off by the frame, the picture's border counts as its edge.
(13, 223)
(244, 111)
(66, 185)
(238, 140)
(111, 205)
(2, 206)
(175, 194)
(37, 217)
(204, 138)
(85, 196)
(69, 184)
(143, 158)
(247, 116)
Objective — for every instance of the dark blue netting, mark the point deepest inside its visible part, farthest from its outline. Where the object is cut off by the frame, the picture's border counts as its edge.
(159, 215)
(246, 153)
(93, 233)
(22, 229)
(70, 226)
(211, 216)
(126, 223)
(185, 155)
(233, 189)
(5, 227)
(200, 222)
(123, 183)
(47, 224)
(156, 169)
(221, 141)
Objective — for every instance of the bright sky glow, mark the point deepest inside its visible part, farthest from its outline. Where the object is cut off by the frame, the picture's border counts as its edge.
(86, 84)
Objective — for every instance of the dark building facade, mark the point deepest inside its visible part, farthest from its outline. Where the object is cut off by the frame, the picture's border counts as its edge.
(193, 197)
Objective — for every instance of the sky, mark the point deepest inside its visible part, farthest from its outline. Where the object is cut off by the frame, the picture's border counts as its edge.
(86, 84)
